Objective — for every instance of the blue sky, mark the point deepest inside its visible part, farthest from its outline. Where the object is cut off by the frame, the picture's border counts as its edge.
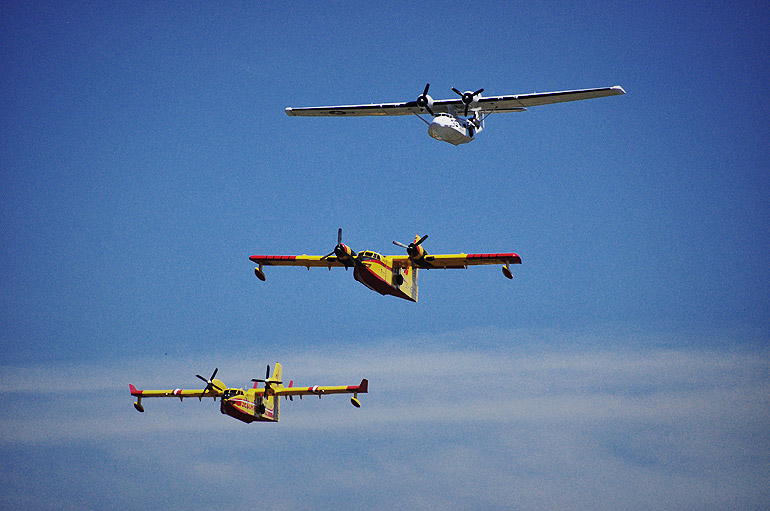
(145, 155)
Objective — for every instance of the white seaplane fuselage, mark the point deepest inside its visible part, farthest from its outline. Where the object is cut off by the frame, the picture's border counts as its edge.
(453, 129)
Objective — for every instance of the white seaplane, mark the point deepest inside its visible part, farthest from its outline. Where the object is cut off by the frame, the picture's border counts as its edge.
(451, 120)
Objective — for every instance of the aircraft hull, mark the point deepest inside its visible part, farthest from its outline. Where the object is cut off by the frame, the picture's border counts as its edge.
(368, 276)
(448, 129)
(245, 410)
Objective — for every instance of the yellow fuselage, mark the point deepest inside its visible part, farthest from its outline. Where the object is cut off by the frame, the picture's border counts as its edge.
(247, 406)
(378, 273)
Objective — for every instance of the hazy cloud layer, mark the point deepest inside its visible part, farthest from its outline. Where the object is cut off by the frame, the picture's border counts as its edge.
(595, 428)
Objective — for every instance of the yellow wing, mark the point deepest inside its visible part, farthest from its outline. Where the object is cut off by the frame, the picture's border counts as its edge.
(456, 261)
(180, 393)
(317, 390)
(296, 260)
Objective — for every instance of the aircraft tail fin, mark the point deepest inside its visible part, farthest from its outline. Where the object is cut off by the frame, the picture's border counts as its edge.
(276, 401)
(277, 372)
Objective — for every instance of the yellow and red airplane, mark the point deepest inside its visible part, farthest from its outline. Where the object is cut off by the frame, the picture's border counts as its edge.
(388, 275)
(254, 404)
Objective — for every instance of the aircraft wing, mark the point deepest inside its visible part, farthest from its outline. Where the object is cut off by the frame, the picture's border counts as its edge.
(408, 108)
(511, 103)
(457, 261)
(179, 393)
(300, 260)
(522, 101)
(317, 390)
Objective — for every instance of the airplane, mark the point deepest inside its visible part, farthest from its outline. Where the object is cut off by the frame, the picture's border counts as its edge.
(254, 404)
(451, 122)
(388, 275)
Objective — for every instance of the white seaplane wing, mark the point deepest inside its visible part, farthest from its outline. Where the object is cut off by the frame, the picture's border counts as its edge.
(408, 108)
(510, 103)
(520, 102)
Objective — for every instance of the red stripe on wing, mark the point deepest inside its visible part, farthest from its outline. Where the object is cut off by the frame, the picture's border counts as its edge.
(513, 258)
(265, 259)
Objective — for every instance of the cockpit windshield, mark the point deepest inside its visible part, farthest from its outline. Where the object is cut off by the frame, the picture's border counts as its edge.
(369, 255)
(232, 392)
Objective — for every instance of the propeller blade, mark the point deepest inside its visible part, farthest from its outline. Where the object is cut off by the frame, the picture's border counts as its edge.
(470, 100)
(339, 242)
(424, 101)
(399, 244)
(210, 382)
(467, 98)
(421, 240)
(267, 381)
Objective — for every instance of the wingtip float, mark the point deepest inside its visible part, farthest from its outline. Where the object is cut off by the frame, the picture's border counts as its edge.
(260, 404)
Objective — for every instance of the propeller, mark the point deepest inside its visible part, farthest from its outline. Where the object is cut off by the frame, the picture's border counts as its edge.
(412, 249)
(425, 101)
(342, 252)
(210, 382)
(467, 97)
(339, 242)
(267, 378)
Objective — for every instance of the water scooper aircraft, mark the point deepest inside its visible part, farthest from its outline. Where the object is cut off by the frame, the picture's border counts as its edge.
(451, 121)
(388, 275)
(254, 404)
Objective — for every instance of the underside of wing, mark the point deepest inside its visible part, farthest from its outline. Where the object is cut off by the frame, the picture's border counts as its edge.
(509, 103)
(523, 101)
(408, 108)
(355, 110)
(178, 393)
(299, 260)
(317, 390)
(459, 261)
(400, 261)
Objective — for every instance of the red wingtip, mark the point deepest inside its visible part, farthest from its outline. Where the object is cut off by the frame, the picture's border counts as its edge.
(364, 386)
(134, 390)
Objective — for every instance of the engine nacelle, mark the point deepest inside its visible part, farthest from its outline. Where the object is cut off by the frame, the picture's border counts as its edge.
(425, 101)
(344, 253)
(416, 252)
